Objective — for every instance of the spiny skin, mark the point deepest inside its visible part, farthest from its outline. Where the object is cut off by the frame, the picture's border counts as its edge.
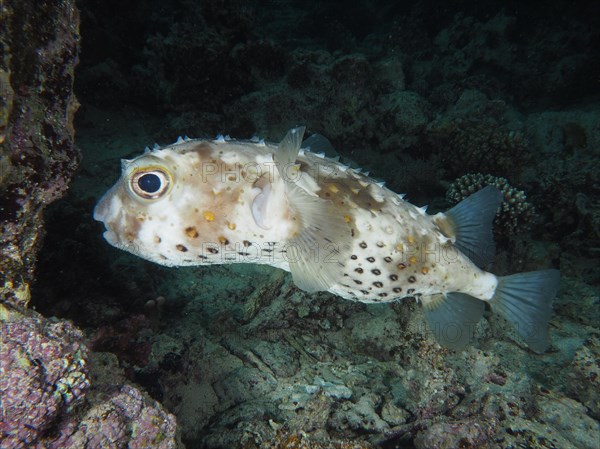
(227, 202)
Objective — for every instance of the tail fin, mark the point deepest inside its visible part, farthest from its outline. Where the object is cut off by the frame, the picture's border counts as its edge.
(525, 300)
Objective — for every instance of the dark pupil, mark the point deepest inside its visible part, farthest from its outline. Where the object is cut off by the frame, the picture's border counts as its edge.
(149, 183)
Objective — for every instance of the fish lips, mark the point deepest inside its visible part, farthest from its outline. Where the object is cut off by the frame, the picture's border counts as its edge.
(103, 213)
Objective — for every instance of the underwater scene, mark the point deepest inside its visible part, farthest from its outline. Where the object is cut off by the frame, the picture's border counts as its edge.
(292, 224)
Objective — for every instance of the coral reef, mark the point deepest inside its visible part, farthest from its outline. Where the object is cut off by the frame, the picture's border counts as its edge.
(567, 178)
(475, 134)
(122, 338)
(585, 376)
(285, 440)
(52, 397)
(516, 214)
(122, 418)
(43, 371)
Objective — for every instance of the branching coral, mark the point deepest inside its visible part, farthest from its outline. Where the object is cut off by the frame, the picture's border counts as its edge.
(482, 145)
(515, 212)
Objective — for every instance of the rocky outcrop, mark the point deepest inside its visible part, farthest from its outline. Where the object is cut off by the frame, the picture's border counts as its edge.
(40, 43)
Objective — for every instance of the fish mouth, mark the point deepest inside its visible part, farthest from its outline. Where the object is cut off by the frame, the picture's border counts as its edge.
(103, 212)
(110, 236)
(101, 209)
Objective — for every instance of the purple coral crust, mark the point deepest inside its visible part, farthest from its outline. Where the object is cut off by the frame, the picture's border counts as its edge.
(123, 418)
(42, 370)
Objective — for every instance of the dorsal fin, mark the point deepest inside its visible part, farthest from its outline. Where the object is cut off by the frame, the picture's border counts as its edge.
(470, 224)
(287, 151)
(319, 144)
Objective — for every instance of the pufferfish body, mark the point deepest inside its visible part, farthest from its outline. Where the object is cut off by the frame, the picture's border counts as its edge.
(203, 202)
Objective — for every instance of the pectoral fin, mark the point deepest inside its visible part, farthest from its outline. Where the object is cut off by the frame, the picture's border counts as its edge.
(320, 246)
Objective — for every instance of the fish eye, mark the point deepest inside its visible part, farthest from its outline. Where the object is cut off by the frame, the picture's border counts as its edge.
(151, 183)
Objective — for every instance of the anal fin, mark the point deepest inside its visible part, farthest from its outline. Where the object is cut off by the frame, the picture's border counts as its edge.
(452, 318)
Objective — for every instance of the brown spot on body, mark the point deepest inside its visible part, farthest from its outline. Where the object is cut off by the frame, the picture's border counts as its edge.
(246, 243)
(191, 232)
(204, 151)
(424, 270)
(401, 266)
(212, 250)
(209, 216)
(132, 228)
(157, 239)
(223, 240)
(359, 270)
(181, 248)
